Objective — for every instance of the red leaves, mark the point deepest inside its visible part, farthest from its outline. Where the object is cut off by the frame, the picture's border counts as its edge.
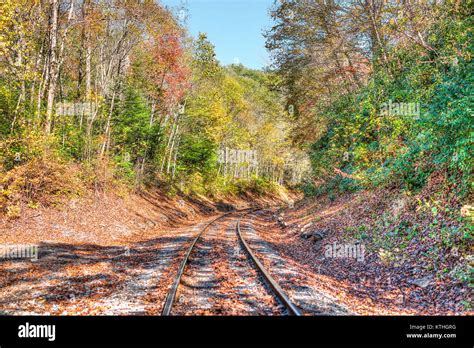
(170, 72)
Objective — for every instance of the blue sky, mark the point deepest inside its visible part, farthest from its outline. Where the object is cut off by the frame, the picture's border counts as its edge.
(235, 28)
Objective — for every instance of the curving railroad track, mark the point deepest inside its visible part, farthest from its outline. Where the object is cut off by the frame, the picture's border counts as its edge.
(199, 283)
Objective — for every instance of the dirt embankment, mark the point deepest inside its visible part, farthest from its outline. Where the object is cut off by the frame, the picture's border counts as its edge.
(107, 218)
(389, 253)
(103, 254)
(51, 201)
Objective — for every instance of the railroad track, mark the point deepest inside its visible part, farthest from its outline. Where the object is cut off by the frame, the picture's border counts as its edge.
(271, 285)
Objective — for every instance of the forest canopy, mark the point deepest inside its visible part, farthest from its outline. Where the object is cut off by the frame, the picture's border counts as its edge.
(382, 91)
(121, 84)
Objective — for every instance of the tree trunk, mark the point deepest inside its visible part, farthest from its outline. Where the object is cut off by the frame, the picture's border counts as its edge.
(53, 64)
(56, 59)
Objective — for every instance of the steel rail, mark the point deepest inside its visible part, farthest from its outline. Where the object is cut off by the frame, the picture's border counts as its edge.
(171, 296)
(292, 308)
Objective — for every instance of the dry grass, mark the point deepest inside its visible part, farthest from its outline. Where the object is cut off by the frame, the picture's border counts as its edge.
(39, 182)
